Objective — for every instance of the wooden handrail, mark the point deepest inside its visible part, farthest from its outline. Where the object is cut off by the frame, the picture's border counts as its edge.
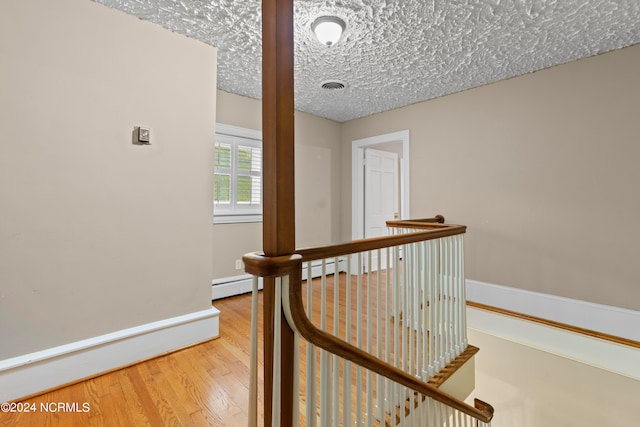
(374, 243)
(297, 316)
(422, 223)
(438, 219)
(291, 265)
(483, 407)
(257, 264)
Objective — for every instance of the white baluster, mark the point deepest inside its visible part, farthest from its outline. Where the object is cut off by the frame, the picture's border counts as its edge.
(325, 390)
(433, 413)
(296, 377)
(455, 344)
(447, 415)
(418, 311)
(455, 297)
(464, 295)
(437, 306)
(412, 309)
(409, 323)
(425, 312)
(460, 295)
(369, 280)
(346, 412)
(442, 302)
(387, 326)
(432, 309)
(311, 359)
(447, 299)
(336, 329)
(253, 364)
(395, 396)
(359, 408)
(379, 338)
(405, 304)
(277, 330)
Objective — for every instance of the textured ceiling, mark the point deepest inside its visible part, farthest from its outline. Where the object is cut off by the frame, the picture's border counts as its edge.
(395, 53)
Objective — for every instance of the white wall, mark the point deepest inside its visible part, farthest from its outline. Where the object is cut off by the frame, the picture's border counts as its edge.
(98, 234)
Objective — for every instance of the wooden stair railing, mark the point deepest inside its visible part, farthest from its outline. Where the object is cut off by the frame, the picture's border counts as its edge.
(291, 267)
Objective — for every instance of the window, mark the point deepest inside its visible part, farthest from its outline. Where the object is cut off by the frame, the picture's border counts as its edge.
(237, 178)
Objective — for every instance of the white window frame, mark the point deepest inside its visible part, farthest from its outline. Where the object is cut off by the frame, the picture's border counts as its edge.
(235, 214)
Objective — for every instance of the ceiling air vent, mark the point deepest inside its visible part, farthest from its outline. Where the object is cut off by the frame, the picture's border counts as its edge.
(332, 85)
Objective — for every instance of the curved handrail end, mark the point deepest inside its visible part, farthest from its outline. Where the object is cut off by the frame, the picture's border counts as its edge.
(484, 407)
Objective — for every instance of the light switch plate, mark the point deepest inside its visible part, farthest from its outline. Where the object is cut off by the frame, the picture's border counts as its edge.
(143, 135)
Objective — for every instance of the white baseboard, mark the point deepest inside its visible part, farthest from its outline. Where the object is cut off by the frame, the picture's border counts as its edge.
(607, 355)
(330, 268)
(35, 372)
(610, 320)
(230, 286)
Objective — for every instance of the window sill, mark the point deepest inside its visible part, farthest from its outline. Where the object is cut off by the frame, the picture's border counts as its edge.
(236, 218)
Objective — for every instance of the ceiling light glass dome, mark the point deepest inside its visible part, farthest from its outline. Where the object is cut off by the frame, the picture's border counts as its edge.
(328, 29)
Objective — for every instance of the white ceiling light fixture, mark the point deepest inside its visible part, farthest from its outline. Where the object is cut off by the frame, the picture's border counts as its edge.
(328, 29)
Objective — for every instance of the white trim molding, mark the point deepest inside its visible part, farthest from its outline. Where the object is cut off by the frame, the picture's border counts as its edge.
(43, 370)
(616, 321)
(238, 131)
(611, 356)
(235, 285)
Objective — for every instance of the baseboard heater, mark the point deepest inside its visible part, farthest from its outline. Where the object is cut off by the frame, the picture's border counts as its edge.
(237, 285)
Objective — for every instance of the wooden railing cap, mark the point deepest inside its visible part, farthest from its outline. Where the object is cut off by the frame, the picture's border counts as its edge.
(258, 264)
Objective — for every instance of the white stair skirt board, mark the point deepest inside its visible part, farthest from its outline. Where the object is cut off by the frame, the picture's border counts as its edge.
(238, 285)
(610, 320)
(43, 370)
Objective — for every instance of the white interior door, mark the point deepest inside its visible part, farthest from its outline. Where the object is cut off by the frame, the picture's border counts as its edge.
(381, 197)
(398, 142)
(388, 189)
(381, 191)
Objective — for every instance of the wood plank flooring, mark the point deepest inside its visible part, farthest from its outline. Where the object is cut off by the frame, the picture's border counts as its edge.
(207, 385)
(204, 385)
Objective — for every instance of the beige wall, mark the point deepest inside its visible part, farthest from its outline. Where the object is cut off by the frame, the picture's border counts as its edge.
(234, 240)
(543, 168)
(317, 157)
(97, 234)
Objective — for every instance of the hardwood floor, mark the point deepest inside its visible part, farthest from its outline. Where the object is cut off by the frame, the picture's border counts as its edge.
(207, 385)
(204, 385)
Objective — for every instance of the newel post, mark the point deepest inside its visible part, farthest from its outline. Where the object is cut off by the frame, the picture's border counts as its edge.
(278, 199)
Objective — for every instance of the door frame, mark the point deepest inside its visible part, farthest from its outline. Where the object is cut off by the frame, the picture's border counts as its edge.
(357, 177)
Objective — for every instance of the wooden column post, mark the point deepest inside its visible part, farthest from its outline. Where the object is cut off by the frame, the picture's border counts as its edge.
(278, 170)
